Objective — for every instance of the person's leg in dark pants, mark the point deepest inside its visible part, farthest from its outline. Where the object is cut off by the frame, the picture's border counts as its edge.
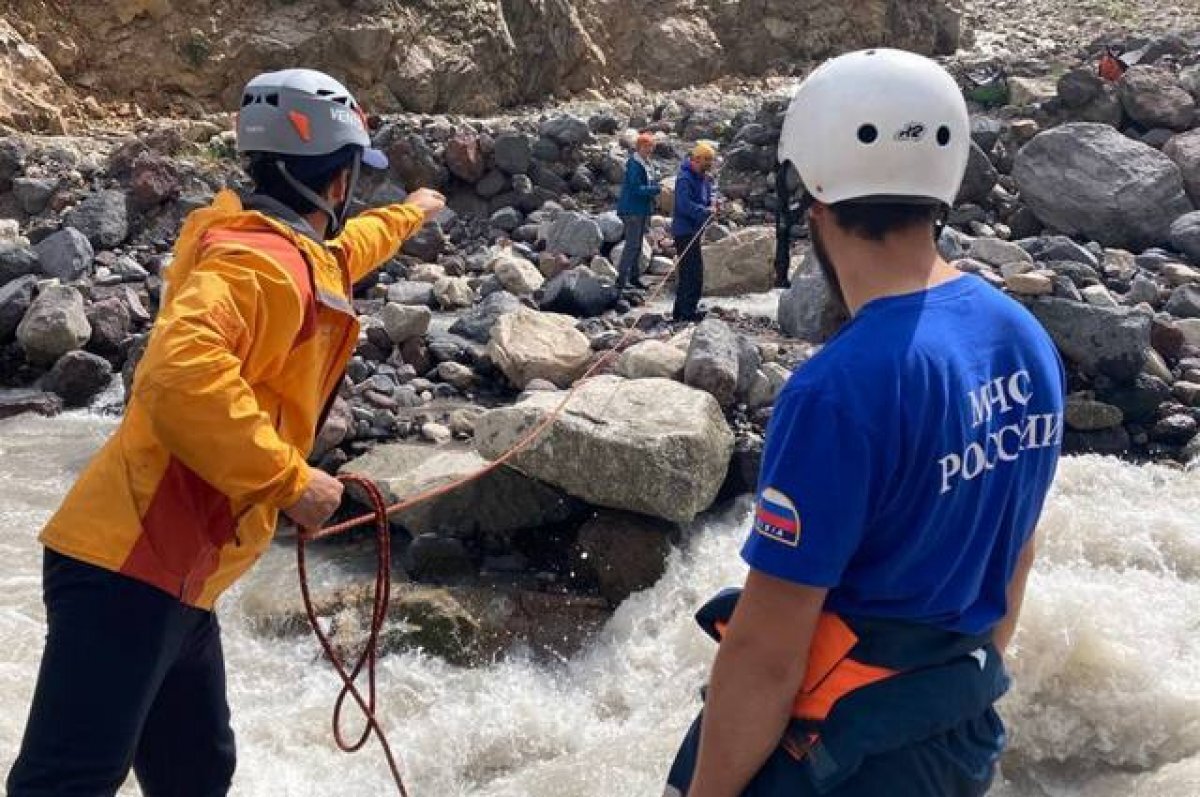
(635, 233)
(691, 279)
(187, 745)
(112, 643)
(783, 251)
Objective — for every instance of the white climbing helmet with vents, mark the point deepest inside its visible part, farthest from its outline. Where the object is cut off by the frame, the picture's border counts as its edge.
(878, 126)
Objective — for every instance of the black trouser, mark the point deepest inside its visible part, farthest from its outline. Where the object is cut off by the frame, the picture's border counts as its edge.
(635, 232)
(130, 677)
(691, 278)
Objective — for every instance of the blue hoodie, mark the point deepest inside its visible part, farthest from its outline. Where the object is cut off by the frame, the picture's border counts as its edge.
(637, 192)
(693, 201)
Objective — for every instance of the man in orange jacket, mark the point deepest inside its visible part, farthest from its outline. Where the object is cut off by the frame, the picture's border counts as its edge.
(244, 360)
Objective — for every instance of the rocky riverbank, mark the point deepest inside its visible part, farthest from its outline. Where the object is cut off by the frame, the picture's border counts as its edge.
(1080, 202)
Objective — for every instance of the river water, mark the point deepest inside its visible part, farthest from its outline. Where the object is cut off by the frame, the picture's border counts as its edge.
(1107, 659)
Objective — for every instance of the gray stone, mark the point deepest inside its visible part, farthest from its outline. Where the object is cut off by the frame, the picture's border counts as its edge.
(513, 153)
(1106, 442)
(1029, 284)
(34, 193)
(1088, 179)
(1139, 399)
(623, 553)
(102, 218)
(1185, 235)
(980, 178)
(1057, 248)
(644, 259)
(1143, 289)
(740, 263)
(527, 345)
(998, 253)
(1177, 274)
(1184, 150)
(652, 446)
(1153, 98)
(492, 184)
(111, 324)
(768, 381)
(17, 402)
(78, 377)
(516, 274)
(452, 293)
(574, 235)
(405, 322)
(411, 293)
(612, 229)
(66, 255)
(15, 298)
(1085, 414)
(1185, 302)
(435, 433)
(712, 361)
(1079, 88)
(507, 219)
(652, 359)
(54, 325)
(476, 324)
(1175, 429)
(1098, 296)
(568, 130)
(17, 260)
(335, 431)
(1100, 340)
(437, 558)
(809, 310)
(500, 502)
(456, 374)
(429, 242)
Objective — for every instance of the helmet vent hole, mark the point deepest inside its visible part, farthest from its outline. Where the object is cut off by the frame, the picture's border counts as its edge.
(943, 136)
(247, 99)
(325, 92)
(867, 134)
(273, 99)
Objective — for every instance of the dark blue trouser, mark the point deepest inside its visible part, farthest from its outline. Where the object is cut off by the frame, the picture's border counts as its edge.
(129, 677)
(691, 278)
(947, 765)
(635, 233)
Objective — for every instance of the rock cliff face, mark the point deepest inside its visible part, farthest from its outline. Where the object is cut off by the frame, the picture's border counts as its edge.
(464, 56)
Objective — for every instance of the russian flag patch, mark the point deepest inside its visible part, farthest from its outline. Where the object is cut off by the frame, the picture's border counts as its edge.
(776, 517)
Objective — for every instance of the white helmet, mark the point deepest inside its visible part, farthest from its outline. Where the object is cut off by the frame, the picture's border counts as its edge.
(878, 125)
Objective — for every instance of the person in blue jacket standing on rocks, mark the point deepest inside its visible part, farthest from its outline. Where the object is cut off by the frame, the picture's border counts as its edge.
(693, 208)
(634, 207)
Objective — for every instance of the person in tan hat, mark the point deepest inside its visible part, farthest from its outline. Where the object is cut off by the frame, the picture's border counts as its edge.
(693, 208)
(635, 206)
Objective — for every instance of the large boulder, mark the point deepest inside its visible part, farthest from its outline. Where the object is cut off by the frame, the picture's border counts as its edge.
(111, 324)
(809, 309)
(527, 345)
(20, 401)
(476, 324)
(1100, 340)
(567, 130)
(713, 361)
(78, 377)
(1184, 149)
(66, 255)
(102, 217)
(574, 235)
(622, 553)
(740, 263)
(54, 325)
(1088, 179)
(464, 157)
(1153, 98)
(1185, 302)
(578, 292)
(513, 153)
(646, 445)
(980, 178)
(503, 501)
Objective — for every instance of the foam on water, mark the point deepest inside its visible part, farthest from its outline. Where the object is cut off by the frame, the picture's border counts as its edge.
(1107, 701)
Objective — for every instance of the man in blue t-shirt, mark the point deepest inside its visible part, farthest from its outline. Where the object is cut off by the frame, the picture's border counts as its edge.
(904, 472)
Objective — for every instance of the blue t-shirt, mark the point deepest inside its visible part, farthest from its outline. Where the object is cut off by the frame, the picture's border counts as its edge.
(907, 463)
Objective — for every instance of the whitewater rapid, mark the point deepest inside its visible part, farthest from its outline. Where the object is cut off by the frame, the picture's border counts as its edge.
(1106, 661)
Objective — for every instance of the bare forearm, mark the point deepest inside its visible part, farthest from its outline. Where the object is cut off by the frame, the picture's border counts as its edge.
(745, 715)
(1007, 627)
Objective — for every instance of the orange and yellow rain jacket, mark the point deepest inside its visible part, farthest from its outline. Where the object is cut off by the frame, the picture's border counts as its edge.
(255, 328)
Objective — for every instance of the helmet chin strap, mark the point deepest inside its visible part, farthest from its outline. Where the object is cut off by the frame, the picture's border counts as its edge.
(337, 216)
